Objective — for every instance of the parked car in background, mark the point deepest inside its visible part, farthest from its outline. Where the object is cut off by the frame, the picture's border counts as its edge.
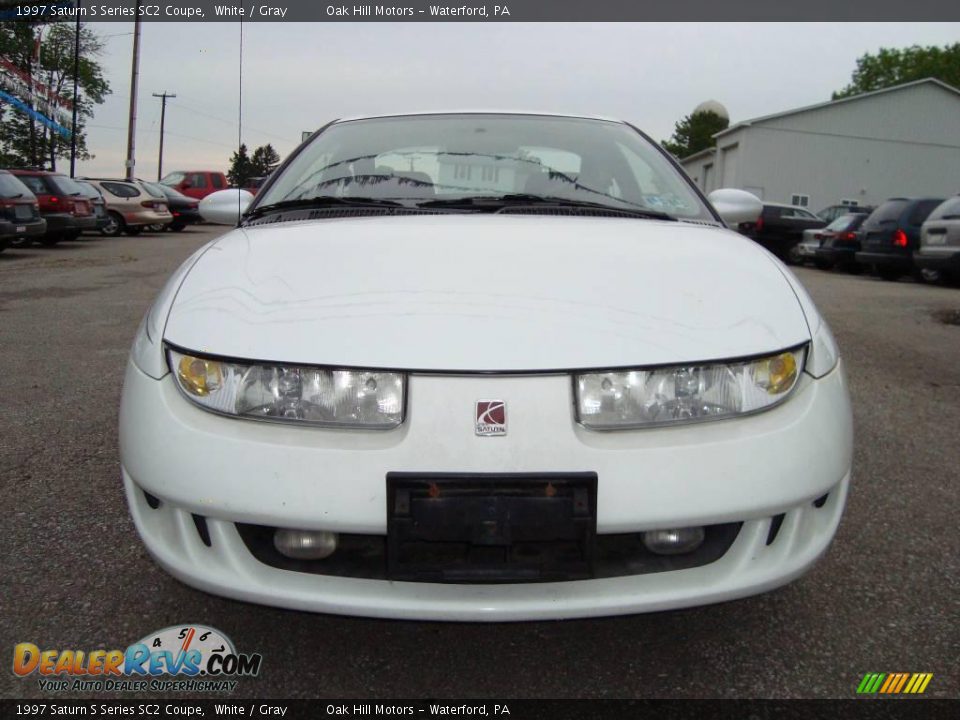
(62, 204)
(131, 206)
(832, 212)
(780, 227)
(196, 183)
(939, 249)
(19, 207)
(253, 184)
(813, 239)
(183, 208)
(891, 234)
(839, 242)
(97, 202)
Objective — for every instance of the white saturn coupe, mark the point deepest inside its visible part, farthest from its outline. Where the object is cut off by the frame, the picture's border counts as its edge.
(484, 366)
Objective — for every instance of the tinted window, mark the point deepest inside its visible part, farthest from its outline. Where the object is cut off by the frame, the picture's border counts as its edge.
(35, 183)
(413, 159)
(888, 212)
(121, 190)
(217, 181)
(921, 210)
(198, 180)
(11, 187)
(949, 209)
(64, 185)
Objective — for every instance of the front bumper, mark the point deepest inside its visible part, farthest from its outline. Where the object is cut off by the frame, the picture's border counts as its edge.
(228, 471)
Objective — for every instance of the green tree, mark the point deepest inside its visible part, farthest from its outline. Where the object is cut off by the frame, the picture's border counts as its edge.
(894, 66)
(264, 160)
(695, 133)
(24, 140)
(241, 169)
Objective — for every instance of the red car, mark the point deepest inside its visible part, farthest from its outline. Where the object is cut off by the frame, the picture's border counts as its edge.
(63, 205)
(196, 183)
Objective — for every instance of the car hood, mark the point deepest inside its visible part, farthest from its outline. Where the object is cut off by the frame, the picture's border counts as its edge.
(485, 293)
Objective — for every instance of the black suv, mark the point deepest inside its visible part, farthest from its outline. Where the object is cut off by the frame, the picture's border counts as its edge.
(780, 227)
(19, 211)
(891, 233)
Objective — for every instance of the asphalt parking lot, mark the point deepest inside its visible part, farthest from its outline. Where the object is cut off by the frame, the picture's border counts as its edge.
(75, 575)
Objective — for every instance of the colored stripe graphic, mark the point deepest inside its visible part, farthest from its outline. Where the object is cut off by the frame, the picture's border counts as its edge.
(894, 683)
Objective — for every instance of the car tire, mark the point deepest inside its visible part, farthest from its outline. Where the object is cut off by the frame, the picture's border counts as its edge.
(115, 227)
(50, 240)
(133, 230)
(889, 274)
(823, 264)
(176, 227)
(72, 235)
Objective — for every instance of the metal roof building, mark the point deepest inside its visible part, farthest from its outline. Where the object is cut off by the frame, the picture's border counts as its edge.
(899, 141)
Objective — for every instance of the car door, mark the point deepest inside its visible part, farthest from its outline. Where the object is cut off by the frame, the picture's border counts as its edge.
(196, 185)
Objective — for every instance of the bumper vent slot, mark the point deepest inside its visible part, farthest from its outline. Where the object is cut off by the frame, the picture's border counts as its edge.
(202, 530)
(775, 522)
(153, 502)
(821, 501)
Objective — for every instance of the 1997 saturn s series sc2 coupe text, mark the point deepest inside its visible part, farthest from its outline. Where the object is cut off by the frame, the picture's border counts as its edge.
(484, 366)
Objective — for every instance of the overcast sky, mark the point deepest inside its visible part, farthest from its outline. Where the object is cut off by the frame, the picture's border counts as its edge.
(298, 76)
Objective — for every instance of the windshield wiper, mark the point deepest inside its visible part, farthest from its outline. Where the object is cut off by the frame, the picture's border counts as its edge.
(497, 203)
(322, 201)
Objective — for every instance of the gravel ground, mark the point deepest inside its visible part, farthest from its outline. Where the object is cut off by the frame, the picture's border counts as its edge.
(885, 598)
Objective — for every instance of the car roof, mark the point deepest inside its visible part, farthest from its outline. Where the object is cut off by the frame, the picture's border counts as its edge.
(33, 171)
(417, 113)
(788, 205)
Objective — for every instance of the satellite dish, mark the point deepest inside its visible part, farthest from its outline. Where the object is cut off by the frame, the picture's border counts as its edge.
(714, 107)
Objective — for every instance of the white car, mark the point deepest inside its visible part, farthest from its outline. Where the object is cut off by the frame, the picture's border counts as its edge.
(484, 366)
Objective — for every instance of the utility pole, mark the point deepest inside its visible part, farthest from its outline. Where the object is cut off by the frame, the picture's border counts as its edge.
(76, 99)
(163, 114)
(134, 79)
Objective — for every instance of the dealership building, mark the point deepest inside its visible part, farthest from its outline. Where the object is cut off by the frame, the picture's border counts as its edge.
(900, 141)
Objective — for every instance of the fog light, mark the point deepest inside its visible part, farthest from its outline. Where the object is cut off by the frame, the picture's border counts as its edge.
(305, 544)
(673, 542)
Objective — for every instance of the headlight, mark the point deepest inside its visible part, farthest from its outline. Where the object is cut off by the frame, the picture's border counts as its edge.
(683, 394)
(294, 393)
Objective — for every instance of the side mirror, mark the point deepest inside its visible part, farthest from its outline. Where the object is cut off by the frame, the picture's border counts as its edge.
(735, 206)
(185, 185)
(225, 207)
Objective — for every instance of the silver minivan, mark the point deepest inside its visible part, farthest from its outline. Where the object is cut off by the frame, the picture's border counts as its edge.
(939, 251)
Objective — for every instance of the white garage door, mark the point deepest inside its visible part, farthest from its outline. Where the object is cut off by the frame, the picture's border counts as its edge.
(730, 156)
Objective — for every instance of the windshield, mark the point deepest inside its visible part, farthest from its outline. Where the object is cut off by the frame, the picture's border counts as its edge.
(174, 178)
(418, 159)
(65, 185)
(844, 222)
(11, 187)
(154, 190)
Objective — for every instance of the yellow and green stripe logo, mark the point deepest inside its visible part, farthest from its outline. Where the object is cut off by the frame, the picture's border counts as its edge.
(894, 683)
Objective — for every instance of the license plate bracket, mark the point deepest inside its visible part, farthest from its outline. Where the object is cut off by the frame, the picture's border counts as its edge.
(489, 528)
